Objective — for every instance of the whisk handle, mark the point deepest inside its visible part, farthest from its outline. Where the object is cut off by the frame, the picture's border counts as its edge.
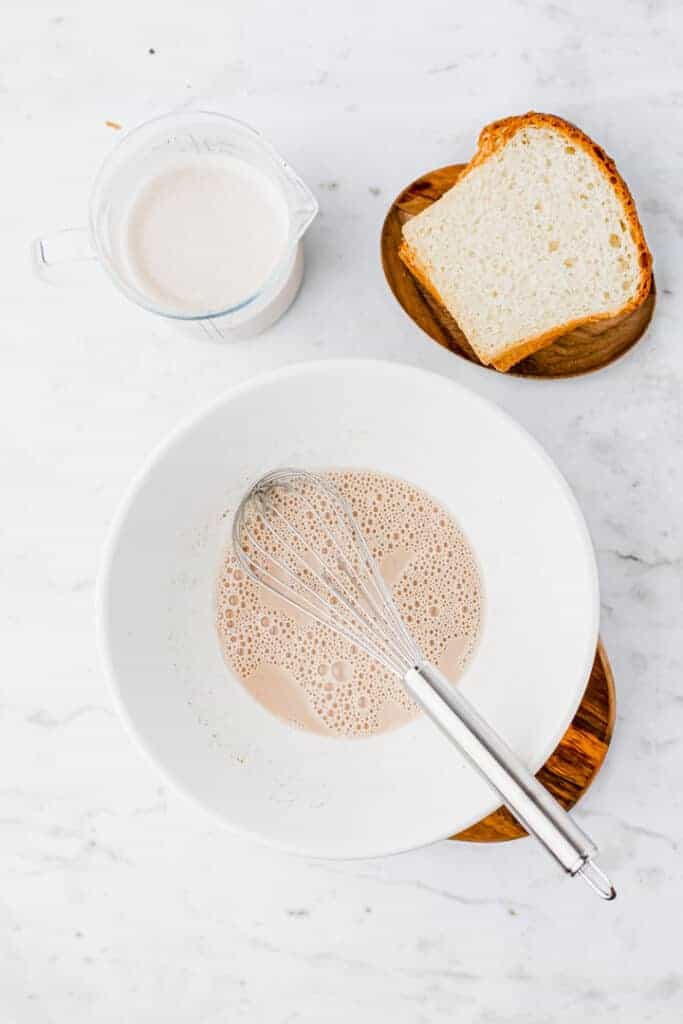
(520, 791)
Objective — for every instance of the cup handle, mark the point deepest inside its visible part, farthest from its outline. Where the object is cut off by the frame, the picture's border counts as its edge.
(72, 245)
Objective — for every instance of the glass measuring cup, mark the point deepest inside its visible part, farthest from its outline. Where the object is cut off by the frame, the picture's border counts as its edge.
(148, 150)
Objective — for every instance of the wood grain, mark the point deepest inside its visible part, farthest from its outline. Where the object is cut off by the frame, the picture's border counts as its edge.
(583, 350)
(575, 762)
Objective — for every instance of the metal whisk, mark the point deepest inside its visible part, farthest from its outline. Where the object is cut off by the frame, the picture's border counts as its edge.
(335, 579)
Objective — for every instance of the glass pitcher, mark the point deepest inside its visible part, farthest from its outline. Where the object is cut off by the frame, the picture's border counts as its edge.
(148, 150)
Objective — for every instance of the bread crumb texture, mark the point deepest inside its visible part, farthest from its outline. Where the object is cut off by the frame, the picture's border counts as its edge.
(538, 235)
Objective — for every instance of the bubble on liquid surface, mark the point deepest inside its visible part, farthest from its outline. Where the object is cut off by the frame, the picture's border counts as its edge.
(304, 672)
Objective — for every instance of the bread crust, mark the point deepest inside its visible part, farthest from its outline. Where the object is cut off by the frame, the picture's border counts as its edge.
(491, 139)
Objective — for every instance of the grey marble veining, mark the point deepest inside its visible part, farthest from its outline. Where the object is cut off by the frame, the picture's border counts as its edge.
(121, 903)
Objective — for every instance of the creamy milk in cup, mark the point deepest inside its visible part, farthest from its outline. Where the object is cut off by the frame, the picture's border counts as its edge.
(195, 217)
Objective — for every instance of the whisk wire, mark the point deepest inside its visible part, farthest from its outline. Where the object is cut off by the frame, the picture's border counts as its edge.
(381, 600)
(340, 585)
(328, 579)
(386, 603)
(324, 578)
(378, 599)
(262, 574)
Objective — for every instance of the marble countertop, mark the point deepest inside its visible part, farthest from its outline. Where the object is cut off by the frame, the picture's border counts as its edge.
(119, 901)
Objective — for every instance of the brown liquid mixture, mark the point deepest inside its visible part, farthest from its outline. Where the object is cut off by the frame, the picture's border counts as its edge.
(306, 674)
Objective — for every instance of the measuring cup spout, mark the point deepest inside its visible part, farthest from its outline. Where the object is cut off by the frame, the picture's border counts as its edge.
(303, 205)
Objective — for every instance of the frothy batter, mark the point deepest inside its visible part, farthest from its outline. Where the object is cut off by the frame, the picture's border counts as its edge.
(316, 680)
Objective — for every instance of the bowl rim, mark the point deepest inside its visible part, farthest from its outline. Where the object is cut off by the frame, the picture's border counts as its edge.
(253, 383)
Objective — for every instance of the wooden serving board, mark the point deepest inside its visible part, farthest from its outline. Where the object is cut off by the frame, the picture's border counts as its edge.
(587, 348)
(575, 762)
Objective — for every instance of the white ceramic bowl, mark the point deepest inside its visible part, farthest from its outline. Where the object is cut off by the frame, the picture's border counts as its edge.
(324, 796)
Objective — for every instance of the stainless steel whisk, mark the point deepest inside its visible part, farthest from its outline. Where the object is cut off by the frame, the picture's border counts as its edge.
(338, 583)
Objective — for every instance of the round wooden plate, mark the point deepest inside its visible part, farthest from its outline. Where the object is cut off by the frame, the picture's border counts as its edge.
(575, 762)
(580, 351)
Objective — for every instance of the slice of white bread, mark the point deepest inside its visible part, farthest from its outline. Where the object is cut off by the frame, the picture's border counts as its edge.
(538, 235)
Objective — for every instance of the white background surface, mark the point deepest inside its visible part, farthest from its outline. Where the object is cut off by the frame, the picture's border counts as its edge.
(120, 902)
